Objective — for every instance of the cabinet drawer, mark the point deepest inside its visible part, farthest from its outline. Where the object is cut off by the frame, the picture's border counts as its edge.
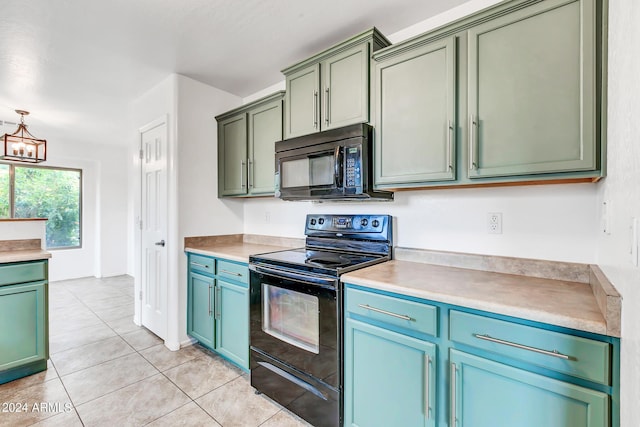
(23, 272)
(202, 264)
(394, 311)
(233, 271)
(567, 354)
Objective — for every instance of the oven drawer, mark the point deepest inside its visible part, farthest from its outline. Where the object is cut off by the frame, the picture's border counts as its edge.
(567, 354)
(233, 271)
(403, 313)
(202, 264)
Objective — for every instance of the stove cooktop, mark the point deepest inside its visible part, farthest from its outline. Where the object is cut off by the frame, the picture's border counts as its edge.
(327, 262)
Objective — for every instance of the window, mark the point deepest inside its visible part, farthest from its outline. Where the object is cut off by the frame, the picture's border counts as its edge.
(44, 192)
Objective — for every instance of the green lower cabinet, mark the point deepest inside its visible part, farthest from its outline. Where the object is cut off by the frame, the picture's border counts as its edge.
(488, 394)
(200, 319)
(232, 322)
(218, 307)
(24, 336)
(390, 378)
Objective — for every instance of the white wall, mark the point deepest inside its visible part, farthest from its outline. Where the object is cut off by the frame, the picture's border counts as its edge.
(555, 222)
(621, 190)
(200, 212)
(194, 209)
(546, 222)
(104, 203)
(23, 230)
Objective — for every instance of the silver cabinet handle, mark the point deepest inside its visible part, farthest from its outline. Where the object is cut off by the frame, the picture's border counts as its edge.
(218, 305)
(242, 164)
(209, 300)
(452, 389)
(250, 172)
(315, 109)
(160, 243)
(427, 367)
(473, 164)
(449, 144)
(326, 105)
(197, 264)
(552, 353)
(388, 313)
(233, 273)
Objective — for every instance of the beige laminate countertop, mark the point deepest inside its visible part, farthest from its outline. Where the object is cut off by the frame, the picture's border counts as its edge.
(23, 255)
(22, 250)
(234, 251)
(557, 302)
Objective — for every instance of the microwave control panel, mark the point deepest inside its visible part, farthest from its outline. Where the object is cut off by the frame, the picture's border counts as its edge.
(353, 166)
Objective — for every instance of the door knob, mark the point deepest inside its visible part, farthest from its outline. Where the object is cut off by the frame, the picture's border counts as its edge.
(160, 243)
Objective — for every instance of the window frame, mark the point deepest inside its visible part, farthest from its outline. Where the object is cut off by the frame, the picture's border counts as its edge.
(12, 196)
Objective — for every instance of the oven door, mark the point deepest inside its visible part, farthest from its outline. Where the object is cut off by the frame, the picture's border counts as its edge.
(310, 172)
(296, 320)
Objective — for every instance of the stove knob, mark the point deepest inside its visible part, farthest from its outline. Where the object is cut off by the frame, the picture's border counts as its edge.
(375, 223)
(313, 221)
(364, 222)
(321, 221)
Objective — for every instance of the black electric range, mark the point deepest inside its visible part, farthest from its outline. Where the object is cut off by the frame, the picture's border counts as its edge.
(296, 312)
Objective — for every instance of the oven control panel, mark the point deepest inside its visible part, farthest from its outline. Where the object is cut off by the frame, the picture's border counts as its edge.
(346, 223)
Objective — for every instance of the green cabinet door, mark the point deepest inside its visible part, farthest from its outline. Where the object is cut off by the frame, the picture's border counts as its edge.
(200, 316)
(265, 128)
(232, 156)
(345, 85)
(302, 102)
(390, 378)
(487, 394)
(531, 91)
(415, 101)
(232, 322)
(23, 323)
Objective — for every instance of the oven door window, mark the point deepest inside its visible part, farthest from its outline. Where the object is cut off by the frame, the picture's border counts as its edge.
(291, 316)
(312, 171)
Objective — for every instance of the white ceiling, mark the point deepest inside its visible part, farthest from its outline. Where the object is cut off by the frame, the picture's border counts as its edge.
(77, 64)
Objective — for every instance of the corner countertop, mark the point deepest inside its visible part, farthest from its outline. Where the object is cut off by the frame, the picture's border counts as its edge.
(238, 247)
(558, 302)
(22, 250)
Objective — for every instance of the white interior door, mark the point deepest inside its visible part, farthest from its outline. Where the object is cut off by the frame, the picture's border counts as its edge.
(154, 208)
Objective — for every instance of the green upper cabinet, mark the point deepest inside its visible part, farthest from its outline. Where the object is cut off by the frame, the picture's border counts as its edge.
(415, 115)
(513, 93)
(232, 156)
(331, 89)
(246, 147)
(531, 86)
(265, 128)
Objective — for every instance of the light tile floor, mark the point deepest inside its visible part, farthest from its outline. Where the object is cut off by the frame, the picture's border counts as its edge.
(106, 371)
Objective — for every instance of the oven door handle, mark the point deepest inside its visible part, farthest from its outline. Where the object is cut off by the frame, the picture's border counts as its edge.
(298, 277)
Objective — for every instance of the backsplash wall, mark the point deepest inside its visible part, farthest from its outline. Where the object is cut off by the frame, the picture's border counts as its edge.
(553, 222)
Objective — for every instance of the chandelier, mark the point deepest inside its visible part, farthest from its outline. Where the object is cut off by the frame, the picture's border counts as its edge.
(21, 146)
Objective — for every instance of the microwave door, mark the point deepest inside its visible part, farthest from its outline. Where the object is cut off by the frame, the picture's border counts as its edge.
(311, 172)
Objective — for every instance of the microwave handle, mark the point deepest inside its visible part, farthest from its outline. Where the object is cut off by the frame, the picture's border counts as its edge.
(339, 166)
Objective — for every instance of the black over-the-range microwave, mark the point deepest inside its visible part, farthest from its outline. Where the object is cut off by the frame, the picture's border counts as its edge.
(330, 165)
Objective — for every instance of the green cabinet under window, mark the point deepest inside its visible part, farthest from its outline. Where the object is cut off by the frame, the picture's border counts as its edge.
(513, 93)
(414, 362)
(331, 89)
(246, 147)
(218, 306)
(23, 319)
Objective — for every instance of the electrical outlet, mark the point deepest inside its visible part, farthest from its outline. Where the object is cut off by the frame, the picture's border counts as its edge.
(267, 217)
(494, 222)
